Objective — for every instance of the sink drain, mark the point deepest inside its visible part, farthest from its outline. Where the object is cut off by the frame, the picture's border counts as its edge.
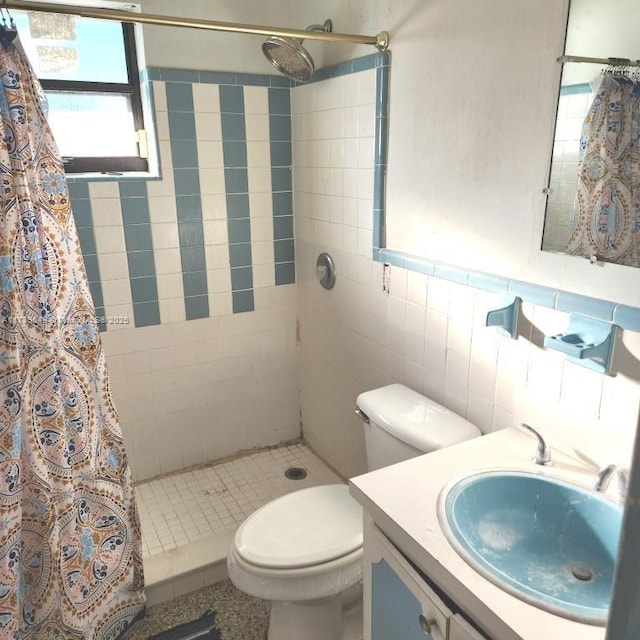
(295, 473)
(582, 572)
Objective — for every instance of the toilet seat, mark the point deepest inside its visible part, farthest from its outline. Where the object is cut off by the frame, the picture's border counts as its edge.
(305, 528)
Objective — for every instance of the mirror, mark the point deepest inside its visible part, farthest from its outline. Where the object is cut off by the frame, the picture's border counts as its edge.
(593, 205)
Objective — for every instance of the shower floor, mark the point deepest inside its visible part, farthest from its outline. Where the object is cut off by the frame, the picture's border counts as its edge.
(188, 518)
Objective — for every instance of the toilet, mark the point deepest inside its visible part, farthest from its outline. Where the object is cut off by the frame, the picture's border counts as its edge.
(303, 551)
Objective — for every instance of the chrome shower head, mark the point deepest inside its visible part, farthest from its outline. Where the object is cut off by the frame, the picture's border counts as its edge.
(288, 55)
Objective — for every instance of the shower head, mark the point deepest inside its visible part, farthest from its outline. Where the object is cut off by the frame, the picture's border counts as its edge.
(288, 55)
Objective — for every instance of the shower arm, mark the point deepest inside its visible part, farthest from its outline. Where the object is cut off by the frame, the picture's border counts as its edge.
(380, 40)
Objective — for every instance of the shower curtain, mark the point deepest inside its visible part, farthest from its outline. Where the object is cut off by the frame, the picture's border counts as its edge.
(70, 561)
(606, 218)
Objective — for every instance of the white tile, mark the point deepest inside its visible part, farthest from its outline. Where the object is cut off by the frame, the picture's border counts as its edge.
(165, 236)
(206, 98)
(113, 266)
(159, 95)
(162, 209)
(259, 179)
(109, 240)
(168, 261)
(256, 100)
(104, 189)
(214, 207)
(170, 286)
(257, 127)
(261, 229)
(212, 181)
(210, 154)
(172, 310)
(208, 126)
(106, 212)
(215, 232)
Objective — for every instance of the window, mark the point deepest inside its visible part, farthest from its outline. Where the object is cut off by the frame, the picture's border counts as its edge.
(88, 69)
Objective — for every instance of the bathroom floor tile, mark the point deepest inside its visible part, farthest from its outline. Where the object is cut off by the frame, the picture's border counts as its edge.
(186, 506)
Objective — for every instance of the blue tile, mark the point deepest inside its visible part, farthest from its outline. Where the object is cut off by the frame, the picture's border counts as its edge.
(234, 153)
(217, 77)
(381, 142)
(95, 288)
(138, 237)
(236, 180)
(378, 229)
(321, 74)
(100, 318)
(231, 99)
(364, 63)
(395, 258)
(382, 92)
(182, 126)
(132, 188)
(282, 227)
(280, 102)
(154, 73)
(92, 268)
(144, 289)
(179, 96)
(342, 69)
(184, 154)
(82, 213)
(233, 126)
(534, 293)
(186, 181)
(379, 191)
(281, 81)
(191, 234)
(281, 179)
(141, 264)
(452, 273)
(87, 241)
(282, 203)
(488, 282)
(584, 305)
(196, 307)
(627, 317)
(241, 278)
(285, 273)
(146, 314)
(189, 208)
(239, 230)
(284, 251)
(240, 254)
(421, 265)
(135, 210)
(238, 205)
(280, 154)
(77, 190)
(178, 75)
(242, 301)
(253, 79)
(195, 283)
(280, 128)
(192, 259)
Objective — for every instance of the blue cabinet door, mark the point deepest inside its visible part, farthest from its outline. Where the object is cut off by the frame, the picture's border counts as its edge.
(395, 611)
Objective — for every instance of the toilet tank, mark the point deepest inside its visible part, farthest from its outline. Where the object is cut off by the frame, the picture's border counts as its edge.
(400, 423)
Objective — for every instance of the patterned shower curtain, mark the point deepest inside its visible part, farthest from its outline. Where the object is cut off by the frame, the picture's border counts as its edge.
(70, 561)
(606, 219)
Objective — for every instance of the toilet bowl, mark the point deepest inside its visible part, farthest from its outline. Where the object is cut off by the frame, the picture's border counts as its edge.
(303, 551)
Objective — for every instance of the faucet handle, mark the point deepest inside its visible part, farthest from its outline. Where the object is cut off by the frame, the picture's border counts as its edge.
(603, 478)
(543, 452)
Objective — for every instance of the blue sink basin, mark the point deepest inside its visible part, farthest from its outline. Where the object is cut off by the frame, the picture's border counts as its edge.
(548, 542)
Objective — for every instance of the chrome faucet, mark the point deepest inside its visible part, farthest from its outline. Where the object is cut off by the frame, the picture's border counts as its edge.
(543, 452)
(603, 478)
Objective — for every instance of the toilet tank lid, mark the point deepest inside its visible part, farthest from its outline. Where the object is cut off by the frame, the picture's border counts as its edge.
(414, 418)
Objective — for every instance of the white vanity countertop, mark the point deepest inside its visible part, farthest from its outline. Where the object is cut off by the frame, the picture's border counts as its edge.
(402, 500)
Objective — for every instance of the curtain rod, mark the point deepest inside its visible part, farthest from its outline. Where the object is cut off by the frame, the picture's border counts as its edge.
(616, 62)
(380, 41)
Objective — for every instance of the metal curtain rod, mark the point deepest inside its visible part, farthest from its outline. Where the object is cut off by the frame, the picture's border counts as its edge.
(380, 41)
(618, 62)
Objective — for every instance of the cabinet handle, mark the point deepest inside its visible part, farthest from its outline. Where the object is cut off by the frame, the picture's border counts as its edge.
(426, 625)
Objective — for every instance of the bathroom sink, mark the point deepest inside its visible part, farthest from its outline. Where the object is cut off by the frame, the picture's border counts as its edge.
(548, 542)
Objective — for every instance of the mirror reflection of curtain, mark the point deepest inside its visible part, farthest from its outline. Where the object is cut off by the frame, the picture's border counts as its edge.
(606, 219)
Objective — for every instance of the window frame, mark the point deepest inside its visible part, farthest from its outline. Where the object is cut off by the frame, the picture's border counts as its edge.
(111, 165)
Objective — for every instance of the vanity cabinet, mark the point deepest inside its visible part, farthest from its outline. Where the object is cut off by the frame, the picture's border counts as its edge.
(398, 603)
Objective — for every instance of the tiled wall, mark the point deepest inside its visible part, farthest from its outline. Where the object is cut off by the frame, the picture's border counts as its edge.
(388, 324)
(193, 274)
(573, 105)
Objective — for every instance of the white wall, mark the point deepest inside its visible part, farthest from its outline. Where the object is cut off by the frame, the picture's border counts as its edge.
(473, 100)
(426, 332)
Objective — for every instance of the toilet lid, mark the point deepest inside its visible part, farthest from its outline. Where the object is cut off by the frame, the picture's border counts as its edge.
(303, 528)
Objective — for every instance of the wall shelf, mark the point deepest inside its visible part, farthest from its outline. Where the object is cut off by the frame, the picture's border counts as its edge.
(586, 341)
(505, 318)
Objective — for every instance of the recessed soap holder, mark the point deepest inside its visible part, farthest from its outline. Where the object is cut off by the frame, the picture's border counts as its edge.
(505, 318)
(586, 341)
